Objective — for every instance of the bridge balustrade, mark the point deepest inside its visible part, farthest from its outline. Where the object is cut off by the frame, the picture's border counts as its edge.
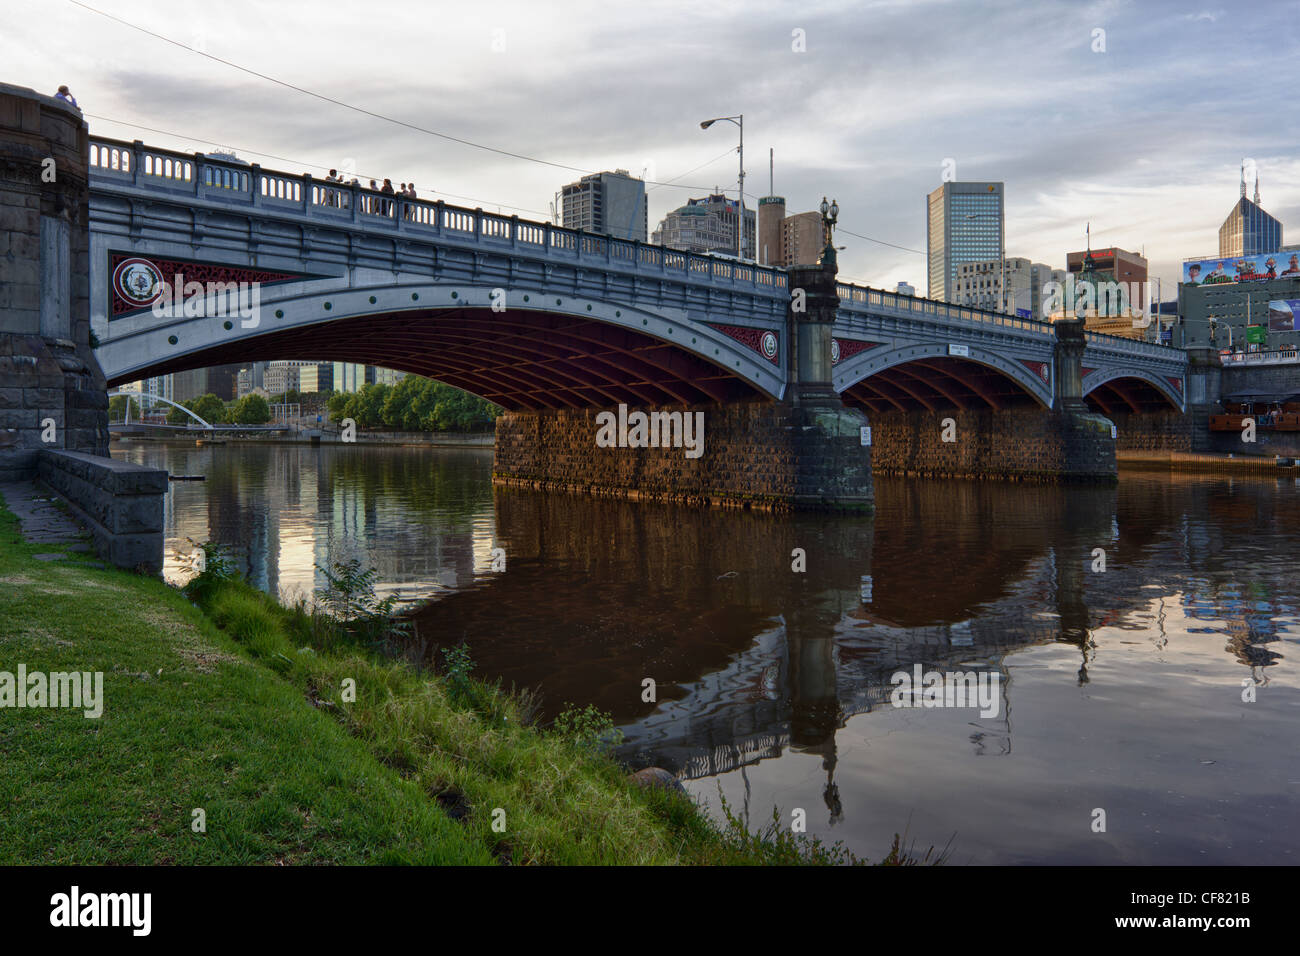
(165, 167)
(280, 187)
(458, 220)
(494, 227)
(214, 179)
(219, 177)
(111, 158)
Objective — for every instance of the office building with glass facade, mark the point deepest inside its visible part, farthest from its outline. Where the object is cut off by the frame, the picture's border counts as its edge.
(1249, 231)
(964, 224)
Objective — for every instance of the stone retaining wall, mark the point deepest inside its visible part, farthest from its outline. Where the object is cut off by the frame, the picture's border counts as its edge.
(1018, 444)
(121, 504)
(764, 454)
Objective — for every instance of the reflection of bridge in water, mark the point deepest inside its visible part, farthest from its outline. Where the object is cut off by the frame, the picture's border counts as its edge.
(751, 659)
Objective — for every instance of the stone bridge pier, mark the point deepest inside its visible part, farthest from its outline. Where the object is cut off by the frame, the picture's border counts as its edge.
(803, 451)
(51, 388)
(1012, 436)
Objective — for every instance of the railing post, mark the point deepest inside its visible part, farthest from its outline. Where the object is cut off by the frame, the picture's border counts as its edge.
(255, 182)
(514, 229)
(478, 224)
(355, 198)
(306, 194)
(200, 167)
(438, 213)
(546, 238)
(137, 160)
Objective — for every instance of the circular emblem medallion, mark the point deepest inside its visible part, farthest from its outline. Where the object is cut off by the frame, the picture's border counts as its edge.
(138, 281)
(769, 345)
(835, 351)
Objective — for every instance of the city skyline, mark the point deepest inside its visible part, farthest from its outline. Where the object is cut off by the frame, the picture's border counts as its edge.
(876, 139)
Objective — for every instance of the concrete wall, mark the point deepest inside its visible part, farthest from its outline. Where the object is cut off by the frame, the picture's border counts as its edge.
(1262, 378)
(121, 504)
(765, 455)
(51, 388)
(1018, 444)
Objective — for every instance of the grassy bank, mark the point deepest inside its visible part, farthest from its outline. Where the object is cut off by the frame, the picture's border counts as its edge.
(238, 706)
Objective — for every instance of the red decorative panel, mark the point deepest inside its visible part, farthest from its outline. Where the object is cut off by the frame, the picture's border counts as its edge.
(1085, 372)
(1177, 383)
(842, 349)
(763, 342)
(137, 280)
(1040, 369)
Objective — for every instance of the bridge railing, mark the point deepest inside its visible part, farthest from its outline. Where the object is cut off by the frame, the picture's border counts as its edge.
(1118, 343)
(226, 181)
(867, 296)
(1282, 356)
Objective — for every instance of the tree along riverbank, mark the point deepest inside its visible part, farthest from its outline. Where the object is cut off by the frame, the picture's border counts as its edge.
(238, 731)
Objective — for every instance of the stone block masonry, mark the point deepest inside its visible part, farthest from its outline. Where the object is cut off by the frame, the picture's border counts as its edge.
(1022, 444)
(765, 455)
(121, 504)
(48, 373)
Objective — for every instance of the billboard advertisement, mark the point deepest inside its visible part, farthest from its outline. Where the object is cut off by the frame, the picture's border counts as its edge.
(1284, 315)
(1267, 265)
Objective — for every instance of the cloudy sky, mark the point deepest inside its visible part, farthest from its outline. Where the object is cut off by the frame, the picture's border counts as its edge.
(1140, 129)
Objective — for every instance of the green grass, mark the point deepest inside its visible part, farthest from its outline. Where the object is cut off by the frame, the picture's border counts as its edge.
(238, 706)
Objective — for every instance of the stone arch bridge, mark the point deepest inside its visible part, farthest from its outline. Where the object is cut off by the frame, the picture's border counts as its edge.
(555, 324)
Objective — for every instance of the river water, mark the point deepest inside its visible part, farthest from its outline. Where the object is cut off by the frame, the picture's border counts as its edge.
(1135, 646)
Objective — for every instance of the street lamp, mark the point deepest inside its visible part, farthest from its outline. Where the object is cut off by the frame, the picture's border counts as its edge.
(739, 120)
(830, 215)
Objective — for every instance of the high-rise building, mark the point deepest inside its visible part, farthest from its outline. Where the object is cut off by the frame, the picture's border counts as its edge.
(980, 285)
(705, 225)
(801, 239)
(349, 377)
(284, 376)
(612, 204)
(219, 380)
(316, 377)
(771, 214)
(1249, 230)
(1114, 265)
(786, 240)
(965, 223)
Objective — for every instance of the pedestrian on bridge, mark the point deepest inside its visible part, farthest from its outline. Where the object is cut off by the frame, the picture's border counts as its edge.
(67, 97)
(388, 191)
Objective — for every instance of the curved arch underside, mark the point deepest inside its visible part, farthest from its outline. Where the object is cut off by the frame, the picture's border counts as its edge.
(935, 383)
(1127, 394)
(519, 360)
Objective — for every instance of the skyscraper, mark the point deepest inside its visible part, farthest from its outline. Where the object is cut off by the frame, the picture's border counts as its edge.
(964, 223)
(1249, 230)
(612, 204)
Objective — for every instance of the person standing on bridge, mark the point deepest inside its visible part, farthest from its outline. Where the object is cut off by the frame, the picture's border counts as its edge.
(388, 191)
(67, 97)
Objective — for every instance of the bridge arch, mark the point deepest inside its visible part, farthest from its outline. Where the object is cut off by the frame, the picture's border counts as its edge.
(1131, 389)
(519, 347)
(927, 376)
